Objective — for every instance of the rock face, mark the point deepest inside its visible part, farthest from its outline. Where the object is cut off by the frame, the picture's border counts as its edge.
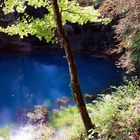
(97, 37)
(23, 46)
(16, 46)
(68, 29)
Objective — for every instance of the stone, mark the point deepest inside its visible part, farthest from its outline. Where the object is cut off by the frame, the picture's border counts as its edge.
(62, 102)
(39, 115)
(89, 97)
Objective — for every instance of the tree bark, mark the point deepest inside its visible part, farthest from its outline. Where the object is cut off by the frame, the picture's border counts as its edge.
(75, 84)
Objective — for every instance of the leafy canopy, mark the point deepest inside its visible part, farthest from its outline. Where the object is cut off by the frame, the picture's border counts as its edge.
(45, 27)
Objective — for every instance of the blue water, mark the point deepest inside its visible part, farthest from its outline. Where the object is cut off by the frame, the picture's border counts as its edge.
(40, 78)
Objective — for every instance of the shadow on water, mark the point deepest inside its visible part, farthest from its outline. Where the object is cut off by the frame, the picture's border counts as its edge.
(41, 78)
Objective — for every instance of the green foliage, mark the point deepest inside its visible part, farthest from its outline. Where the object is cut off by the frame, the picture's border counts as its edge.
(5, 132)
(45, 27)
(65, 116)
(116, 116)
(69, 120)
(113, 112)
(136, 47)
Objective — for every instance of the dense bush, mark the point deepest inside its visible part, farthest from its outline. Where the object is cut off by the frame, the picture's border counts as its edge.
(136, 47)
(116, 115)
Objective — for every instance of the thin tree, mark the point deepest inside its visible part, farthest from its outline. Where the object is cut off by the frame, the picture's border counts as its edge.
(75, 84)
(44, 28)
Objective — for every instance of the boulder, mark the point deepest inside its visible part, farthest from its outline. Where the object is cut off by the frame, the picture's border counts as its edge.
(39, 115)
(89, 97)
(62, 102)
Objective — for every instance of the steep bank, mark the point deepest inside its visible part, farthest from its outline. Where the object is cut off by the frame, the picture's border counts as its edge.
(126, 17)
(89, 38)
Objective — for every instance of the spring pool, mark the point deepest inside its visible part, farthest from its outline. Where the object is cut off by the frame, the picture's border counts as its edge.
(41, 78)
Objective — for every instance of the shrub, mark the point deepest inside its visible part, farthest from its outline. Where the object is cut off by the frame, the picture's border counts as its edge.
(116, 116)
(5, 132)
(69, 121)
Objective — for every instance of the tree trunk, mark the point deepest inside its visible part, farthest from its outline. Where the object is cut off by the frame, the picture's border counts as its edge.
(75, 84)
